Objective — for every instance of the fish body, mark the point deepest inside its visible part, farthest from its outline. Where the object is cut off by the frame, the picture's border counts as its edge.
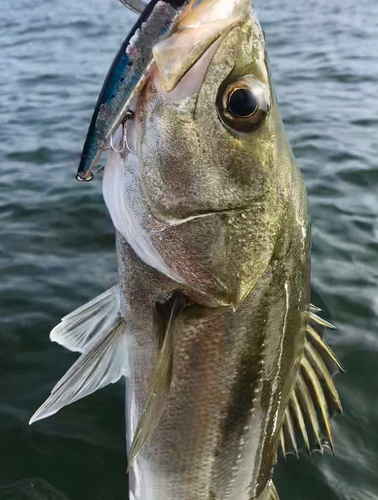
(245, 252)
(211, 324)
(218, 436)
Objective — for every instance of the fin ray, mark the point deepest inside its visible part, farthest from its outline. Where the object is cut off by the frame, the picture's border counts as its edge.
(290, 428)
(88, 323)
(324, 346)
(309, 405)
(270, 492)
(282, 442)
(320, 397)
(314, 309)
(273, 493)
(103, 363)
(323, 370)
(300, 420)
(321, 321)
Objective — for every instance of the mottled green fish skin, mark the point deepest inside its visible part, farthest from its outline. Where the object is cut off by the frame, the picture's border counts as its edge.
(246, 273)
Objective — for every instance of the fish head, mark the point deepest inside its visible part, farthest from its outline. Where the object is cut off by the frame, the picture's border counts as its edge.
(215, 166)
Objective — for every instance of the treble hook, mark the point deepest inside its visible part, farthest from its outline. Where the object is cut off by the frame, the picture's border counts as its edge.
(112, 145)
(125, 144)
(80, 176)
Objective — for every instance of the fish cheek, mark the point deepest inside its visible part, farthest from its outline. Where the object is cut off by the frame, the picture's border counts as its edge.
(248, 171)
(167, 147)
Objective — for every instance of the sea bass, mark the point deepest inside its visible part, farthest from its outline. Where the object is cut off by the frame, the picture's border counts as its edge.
(211, 323)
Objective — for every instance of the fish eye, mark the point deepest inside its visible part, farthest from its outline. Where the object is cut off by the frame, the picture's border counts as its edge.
(243, 104)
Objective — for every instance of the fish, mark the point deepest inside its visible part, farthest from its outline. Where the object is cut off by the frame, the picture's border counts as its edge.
(126, 75)
(211, 323)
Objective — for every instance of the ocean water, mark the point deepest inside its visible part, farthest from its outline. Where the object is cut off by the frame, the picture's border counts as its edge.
(57, 244)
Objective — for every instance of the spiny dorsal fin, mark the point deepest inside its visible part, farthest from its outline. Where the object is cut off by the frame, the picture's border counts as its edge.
(97, 331)
(154, 406)
(313, 390)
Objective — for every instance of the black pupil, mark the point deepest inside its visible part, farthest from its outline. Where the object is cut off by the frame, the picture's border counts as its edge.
(242, 102)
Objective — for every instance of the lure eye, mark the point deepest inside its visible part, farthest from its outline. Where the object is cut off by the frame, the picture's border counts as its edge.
(243, 104)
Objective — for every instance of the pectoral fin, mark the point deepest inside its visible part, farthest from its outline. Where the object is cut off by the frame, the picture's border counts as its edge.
(97, 331)
(161, 382)
(89, 322)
